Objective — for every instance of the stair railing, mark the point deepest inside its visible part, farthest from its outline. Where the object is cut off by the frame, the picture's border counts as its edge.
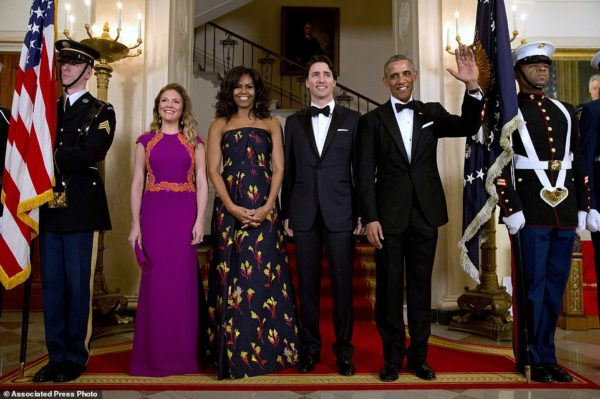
(217, 49)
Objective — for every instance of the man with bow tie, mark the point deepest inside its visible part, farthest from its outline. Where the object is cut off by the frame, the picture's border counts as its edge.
(318, 206)
(402, 202)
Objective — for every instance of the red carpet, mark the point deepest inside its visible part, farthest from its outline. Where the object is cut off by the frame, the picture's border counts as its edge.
(458, 365)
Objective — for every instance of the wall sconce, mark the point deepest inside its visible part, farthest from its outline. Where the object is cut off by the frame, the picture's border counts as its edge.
(266, 68)
(344, 99)
(458, 39)
(110, 50)
(228, 51)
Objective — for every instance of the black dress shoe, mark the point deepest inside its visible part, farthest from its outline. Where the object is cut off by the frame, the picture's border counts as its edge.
(558, 373)
(46, 373)
(389, 372)
(540, 374)
(69, 371)
(423, 371)
(307, 363)
(345, 367)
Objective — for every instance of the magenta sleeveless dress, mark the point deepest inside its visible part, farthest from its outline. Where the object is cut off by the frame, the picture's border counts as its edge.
(166, 326)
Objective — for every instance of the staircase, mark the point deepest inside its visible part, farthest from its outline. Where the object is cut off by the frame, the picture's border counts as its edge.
(217, 49)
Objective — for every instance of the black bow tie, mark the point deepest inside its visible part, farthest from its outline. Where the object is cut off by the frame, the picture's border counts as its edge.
(408, 105)
(314, 111)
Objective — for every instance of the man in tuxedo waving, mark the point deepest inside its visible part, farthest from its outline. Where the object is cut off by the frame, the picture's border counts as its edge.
(319, 209)
(402, 202)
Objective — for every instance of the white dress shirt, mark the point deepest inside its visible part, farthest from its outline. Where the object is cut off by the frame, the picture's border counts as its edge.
(74, 97)
(404, 119)
(320, 125)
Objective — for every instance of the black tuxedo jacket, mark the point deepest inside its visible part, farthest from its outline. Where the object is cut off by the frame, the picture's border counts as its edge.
(388, 182)
(325, 181)
(76, 157)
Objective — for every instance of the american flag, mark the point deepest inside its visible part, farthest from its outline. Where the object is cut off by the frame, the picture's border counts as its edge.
(488, 152)
(28, 169)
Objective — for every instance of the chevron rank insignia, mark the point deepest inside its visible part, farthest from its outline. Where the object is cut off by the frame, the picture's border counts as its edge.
(104, 125)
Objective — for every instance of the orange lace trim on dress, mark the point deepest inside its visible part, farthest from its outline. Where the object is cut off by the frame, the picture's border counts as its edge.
(152, 185)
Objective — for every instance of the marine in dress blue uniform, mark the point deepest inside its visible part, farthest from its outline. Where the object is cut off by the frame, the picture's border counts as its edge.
(545, 204)
(589, 125)
(70, 224)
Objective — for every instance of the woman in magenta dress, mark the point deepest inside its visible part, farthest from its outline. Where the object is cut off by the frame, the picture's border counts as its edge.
(252, 326)
(168, 204)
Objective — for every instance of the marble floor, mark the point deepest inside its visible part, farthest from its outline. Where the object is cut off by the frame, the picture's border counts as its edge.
(578, 350)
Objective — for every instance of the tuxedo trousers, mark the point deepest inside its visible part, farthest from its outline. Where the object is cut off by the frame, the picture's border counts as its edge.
(405, 261)
(339, 247)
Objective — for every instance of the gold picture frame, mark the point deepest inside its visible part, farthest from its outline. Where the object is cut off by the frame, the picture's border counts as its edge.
(573, 70)
(306, 31)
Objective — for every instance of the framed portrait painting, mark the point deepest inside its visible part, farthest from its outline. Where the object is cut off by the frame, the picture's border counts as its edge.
(307, 31)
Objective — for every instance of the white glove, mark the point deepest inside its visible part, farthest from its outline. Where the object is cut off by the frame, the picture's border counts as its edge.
(593, 221)
(581, 216)
(514, 222)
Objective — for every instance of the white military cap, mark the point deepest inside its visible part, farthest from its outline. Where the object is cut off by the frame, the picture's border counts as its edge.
(534, 52)
(596, 61)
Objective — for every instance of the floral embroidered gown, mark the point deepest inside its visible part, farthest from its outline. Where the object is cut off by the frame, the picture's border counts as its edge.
(167, 323)
(251, 306)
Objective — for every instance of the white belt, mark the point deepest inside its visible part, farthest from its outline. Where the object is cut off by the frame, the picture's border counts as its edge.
(551, 194)
(522, 162)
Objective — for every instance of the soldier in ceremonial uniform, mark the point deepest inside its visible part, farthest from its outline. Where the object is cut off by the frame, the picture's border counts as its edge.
(543, 203)
(589, 125)
(71, 222)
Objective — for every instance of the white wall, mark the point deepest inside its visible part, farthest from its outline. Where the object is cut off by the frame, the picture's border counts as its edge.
(366, 36)
(366, 41)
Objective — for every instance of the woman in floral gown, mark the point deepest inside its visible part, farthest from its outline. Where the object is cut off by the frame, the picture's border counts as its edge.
(251, 305)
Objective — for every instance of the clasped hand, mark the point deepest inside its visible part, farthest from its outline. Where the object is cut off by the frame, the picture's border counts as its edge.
(250, 217)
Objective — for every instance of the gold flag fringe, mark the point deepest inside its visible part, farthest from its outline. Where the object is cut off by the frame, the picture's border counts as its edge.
(485, 213)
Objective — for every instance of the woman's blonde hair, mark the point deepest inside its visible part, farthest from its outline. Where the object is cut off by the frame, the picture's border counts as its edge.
(187, 122)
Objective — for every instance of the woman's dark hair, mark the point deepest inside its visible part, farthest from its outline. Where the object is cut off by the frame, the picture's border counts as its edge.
(226, 106)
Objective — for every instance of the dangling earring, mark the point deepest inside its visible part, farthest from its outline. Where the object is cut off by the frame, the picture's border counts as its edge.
(160, 120)
(181, 122)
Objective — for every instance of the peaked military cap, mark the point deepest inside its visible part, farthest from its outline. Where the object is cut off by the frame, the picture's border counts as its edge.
(534, 52)
(72, 51)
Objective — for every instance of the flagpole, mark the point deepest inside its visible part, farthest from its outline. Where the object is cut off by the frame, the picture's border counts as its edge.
(521, 290)
(25, 321)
